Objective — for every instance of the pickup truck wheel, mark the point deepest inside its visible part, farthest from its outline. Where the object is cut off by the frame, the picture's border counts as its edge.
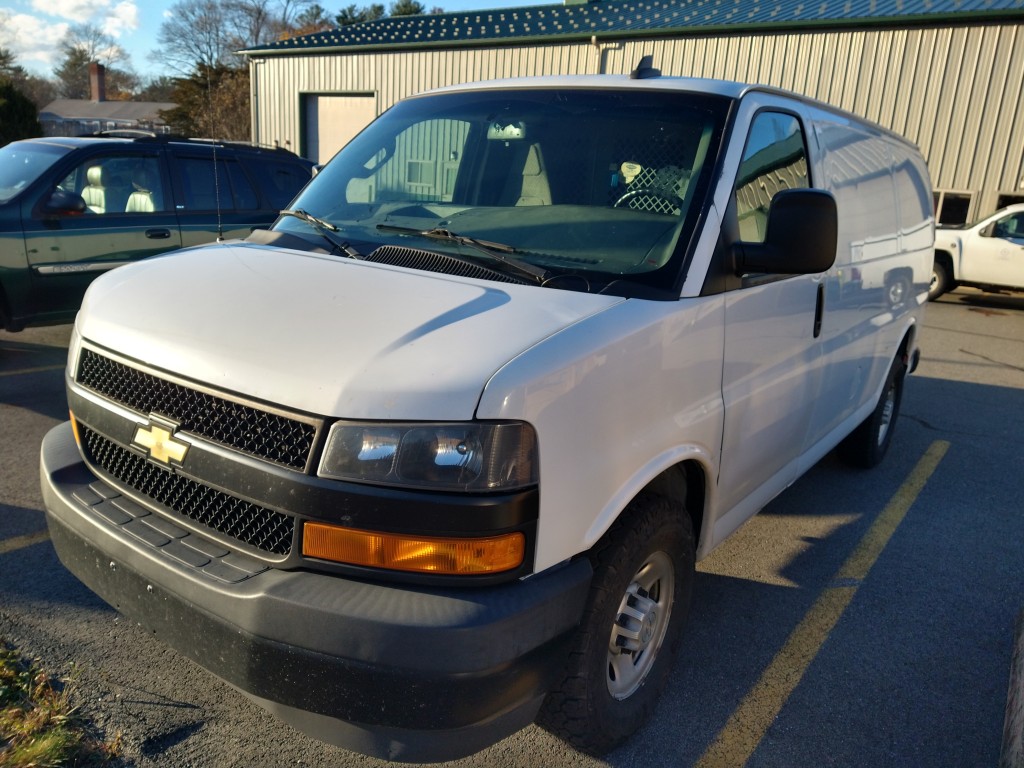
(939, 283)
(866, 446)
(629, 635)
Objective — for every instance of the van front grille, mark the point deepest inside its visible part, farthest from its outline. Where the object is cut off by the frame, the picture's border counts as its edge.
(274, 437)
(265, 529)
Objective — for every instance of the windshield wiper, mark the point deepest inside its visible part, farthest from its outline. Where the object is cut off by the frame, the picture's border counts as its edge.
(325, 228)
(496, 251)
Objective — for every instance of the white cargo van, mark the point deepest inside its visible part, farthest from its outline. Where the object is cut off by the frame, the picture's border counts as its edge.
(435, 456)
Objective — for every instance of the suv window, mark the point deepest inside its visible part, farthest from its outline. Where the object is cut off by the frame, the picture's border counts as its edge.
(278, 181)
(118, 184)
(774, 159)
(202, 187)
(22, 162)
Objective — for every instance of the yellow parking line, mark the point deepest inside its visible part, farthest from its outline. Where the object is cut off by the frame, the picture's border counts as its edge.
(40, 369)
(747, 726)
(20, 542)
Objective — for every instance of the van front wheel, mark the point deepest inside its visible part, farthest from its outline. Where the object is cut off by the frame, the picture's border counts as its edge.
(629, 635)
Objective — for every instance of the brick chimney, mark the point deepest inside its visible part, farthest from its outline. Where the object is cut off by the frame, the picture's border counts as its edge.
(98, 81)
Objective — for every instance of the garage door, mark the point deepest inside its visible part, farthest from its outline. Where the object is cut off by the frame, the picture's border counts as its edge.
(332, 120)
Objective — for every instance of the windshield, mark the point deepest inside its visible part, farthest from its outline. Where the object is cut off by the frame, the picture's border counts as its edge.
(597, 185)
(22, 162)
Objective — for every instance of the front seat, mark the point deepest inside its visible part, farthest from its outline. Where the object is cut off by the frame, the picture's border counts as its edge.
(94, 193)
(535, 189)
(141, 198)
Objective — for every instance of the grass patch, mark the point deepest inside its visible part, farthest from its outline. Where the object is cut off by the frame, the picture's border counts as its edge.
(38, 726)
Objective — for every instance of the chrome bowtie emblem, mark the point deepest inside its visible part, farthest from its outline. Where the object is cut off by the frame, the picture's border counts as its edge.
(157, 439)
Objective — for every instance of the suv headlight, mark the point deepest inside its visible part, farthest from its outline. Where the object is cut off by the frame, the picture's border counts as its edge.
(464, 456)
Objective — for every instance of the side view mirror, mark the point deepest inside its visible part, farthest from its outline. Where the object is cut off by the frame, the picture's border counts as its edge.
(800, 236)
(64, 202)
(989, 230)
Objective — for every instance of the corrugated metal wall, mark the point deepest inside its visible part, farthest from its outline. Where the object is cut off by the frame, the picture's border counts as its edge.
(958, 92)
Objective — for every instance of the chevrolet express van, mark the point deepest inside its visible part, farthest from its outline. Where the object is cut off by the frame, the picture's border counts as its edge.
(434, 457)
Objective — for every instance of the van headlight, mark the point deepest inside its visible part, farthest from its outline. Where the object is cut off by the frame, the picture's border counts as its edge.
(464, 456)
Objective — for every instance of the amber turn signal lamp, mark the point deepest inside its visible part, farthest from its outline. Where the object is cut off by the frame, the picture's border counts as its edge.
(419, 554)
(74, 428)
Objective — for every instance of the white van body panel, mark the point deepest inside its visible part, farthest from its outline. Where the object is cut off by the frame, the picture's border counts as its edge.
(349, 339)
(642, 381)
(748, 423)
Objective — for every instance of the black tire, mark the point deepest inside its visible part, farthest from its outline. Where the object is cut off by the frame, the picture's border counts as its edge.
(642, 567)
(940, 282)
(867, 445)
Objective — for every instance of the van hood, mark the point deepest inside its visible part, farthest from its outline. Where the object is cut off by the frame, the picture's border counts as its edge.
(322, 334)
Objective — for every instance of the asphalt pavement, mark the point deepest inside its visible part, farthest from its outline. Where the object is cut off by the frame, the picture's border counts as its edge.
(861, 619)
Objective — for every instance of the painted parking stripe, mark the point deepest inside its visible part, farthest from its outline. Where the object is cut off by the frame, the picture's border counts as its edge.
(747, 726)
(20, 542)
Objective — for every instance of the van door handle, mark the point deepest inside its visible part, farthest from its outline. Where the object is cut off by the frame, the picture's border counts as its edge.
(819, 310)
(158, 234)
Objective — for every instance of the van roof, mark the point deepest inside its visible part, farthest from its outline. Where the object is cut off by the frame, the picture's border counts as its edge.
(658, 83)
(654, 81)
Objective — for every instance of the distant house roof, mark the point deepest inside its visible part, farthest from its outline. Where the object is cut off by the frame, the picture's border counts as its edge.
(117, 111)
(634, 18)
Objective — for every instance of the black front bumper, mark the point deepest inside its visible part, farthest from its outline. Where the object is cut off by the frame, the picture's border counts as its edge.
(399, 672)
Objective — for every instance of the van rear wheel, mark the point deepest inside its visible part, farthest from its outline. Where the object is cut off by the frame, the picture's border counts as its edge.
(631, 627)
(867, 445)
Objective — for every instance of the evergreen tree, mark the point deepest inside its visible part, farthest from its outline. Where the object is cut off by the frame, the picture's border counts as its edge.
(19, 118)
(313, 19)
(356, 15)
(407, 8)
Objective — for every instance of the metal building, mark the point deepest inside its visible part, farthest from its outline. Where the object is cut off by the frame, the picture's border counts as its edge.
(948, 74)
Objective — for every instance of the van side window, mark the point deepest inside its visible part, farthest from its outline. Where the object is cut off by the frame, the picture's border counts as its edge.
(774, 159)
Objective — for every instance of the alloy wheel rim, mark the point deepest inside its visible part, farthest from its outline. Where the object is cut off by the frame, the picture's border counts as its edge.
(640, 625)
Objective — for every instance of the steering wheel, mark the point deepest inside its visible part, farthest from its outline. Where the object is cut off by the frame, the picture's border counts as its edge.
(674, 200)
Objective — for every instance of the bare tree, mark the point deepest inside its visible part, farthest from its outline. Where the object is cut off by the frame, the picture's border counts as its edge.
(194, 35)
(208, 33)
(82, 45)
(257, 22)
(94, 43)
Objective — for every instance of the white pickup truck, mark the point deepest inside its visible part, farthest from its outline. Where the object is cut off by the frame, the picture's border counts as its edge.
(987, 255)
(434, 457)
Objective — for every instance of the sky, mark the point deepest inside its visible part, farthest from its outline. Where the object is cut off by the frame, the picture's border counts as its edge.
(32, 29)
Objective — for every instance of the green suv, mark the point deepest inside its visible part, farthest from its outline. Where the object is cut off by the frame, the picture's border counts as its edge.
(71, 208)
